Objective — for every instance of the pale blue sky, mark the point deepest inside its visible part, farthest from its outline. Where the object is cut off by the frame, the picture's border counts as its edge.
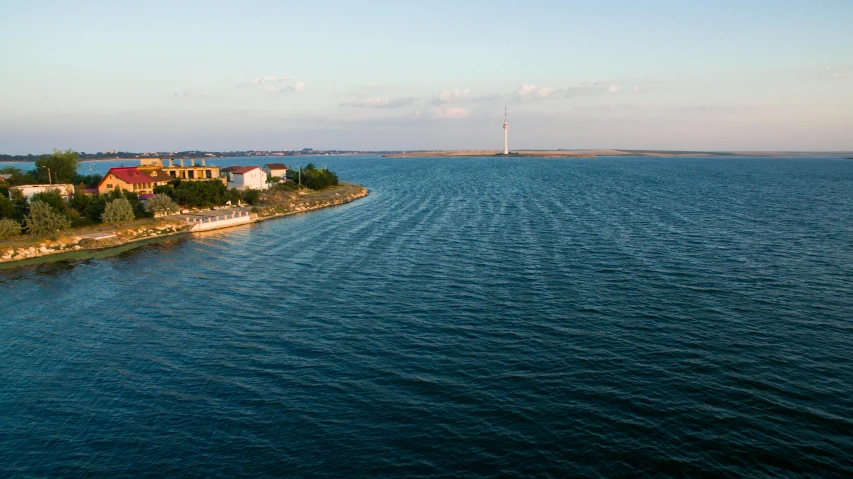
(172, 75)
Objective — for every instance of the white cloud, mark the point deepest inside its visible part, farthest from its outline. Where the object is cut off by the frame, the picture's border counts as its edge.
(590, 89)
(839, 75)
(461, 95)
(485, 98)
(543, 92)
(274, 89)
(447, 112)
(454, 95)
(198, 93)
(526, 89)
(533, 91)
(272, 79)
(376, 102)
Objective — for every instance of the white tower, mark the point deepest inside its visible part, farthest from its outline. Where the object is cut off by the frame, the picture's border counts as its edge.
(506, 130)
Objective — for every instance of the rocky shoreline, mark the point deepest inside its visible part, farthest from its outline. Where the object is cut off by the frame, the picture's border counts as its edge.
(103, 239)
(310, 204)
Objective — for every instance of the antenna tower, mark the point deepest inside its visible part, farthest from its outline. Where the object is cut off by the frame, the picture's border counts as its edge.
(506, 130)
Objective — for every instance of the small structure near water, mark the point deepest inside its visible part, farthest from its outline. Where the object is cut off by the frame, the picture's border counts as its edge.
(66, 191)
(211, 222)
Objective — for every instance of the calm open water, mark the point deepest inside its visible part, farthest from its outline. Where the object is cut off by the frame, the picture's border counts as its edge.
(471, 317)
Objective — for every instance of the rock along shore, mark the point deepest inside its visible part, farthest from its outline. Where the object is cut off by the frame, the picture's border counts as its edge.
(104, 237)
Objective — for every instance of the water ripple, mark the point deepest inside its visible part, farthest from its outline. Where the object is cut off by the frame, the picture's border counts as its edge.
(471, 317)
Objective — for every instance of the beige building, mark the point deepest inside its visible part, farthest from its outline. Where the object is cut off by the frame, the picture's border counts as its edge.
(277, 170)
(184, 169)
(140, 180)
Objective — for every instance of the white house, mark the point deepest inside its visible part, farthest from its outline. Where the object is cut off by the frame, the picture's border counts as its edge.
(28, 191)
(277, 170)
(247, 178)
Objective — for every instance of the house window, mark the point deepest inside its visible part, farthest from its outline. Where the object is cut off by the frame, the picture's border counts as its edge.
(191, 174)
(172, 174)
(109, 185)
(208, 174)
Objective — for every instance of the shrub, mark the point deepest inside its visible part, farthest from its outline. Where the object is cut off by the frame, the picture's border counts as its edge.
(161, 205)
(95, 210)
(44, 220)
(168, 189)
(317, 179)
(251, 197)
(7, 207)
(90, 206)
(9, 228)
(285, 186)
(118, 211)
(199, 194)
(53, 198)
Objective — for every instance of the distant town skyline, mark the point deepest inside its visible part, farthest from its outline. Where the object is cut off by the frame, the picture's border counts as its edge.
(262, 75)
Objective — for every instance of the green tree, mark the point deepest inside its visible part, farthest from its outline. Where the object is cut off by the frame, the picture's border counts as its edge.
(11, 170)
(9, 228)
(79, 201)
(317, 179)
(44, 220)
(87, 181)
(233, 195)
(21, 204)
(53, 198)
(62, 164)
(8, 209)
(118, 211)
(19, 177)
(135, 204)
(200, 194)
(161, 205)
(168, 189)
(95, 208)
(251, 197)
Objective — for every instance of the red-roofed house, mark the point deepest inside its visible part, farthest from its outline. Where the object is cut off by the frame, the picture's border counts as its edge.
(247, 178)
(133, 179)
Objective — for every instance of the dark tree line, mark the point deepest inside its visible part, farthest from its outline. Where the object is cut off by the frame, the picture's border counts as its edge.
(204, 194)
(309, 177)
(57, 168)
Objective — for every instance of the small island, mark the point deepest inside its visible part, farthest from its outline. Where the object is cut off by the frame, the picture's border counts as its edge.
(52, 212)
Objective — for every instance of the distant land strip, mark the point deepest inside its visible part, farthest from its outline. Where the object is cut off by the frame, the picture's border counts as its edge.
(559, 153)
(609, 152)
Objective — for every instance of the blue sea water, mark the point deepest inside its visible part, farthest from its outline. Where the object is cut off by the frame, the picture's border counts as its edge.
(471, 317)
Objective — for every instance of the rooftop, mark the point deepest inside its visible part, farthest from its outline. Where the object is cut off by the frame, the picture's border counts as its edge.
(132, 174)
(241, 169)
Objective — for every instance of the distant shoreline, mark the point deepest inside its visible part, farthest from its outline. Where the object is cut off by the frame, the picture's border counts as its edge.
(560, 153)
(646, 153)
